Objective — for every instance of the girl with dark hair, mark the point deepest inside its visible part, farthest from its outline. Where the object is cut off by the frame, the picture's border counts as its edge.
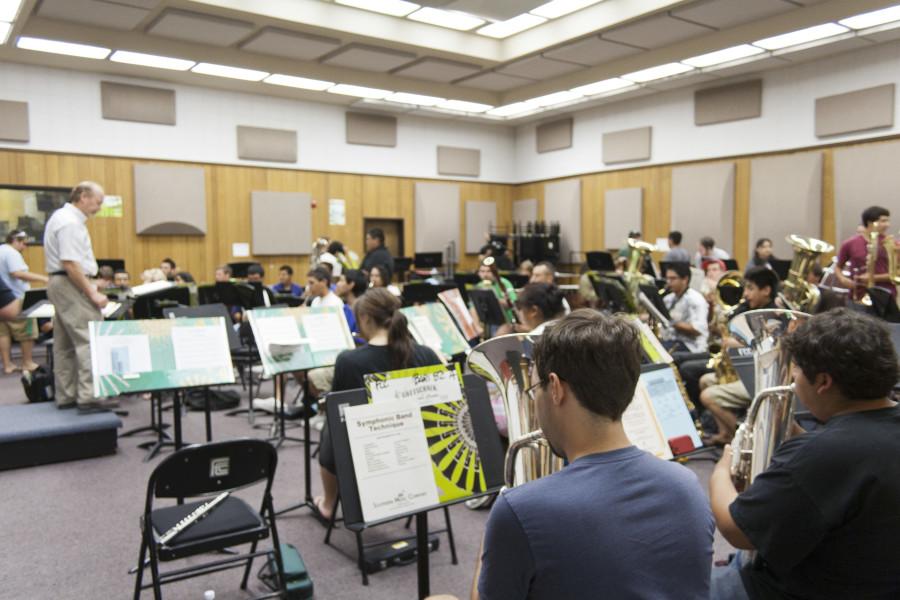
(380, 277)
(503, 289)
(538, 305)
(762, 255)
(390, 347)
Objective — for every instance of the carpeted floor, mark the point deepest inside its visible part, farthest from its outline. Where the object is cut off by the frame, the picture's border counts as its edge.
(69, 531)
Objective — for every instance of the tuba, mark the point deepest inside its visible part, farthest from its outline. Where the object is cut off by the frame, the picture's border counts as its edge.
(798, 293)
(506, 361)
(769, 418)
(638, 252)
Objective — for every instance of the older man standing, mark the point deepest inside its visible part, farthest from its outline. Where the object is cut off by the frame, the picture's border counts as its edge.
(15, 275)
(70, 262)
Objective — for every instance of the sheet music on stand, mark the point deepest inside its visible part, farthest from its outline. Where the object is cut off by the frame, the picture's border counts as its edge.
(299, 338)
(456, 306)
(432, 326)
(45, 310)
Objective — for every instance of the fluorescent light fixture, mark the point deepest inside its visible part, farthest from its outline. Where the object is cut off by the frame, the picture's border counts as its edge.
(555, 98)
(418, 99)
(512, 26)
(359, 91)
(151, 60)
(9, 9)
(602, 87)
(801, 36)
(510, 110)
(395, 8)
(229, 72)
(558, 8)
(298, 82)
(658, 72)
(5, 28)
(463, 106)
(723, 56)
(871, 19)
(446, 18)
(67, 48)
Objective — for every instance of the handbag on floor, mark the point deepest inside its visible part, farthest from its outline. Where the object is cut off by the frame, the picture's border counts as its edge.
(38, 385)
(299, 585)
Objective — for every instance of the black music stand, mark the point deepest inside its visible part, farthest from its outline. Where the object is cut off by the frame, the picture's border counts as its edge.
(239, 269)
(428, 260)
(487, 307)
(598, 260)
(32, 297)
(611, 293)
(516, 279)
(116, 263)
(781, 267)
(423, 293)
(652, 294)
(150, 306)
(490, 450)
(731, 264)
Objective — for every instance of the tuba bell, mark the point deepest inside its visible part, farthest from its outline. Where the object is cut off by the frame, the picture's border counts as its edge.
(506, 361)
(798, 293)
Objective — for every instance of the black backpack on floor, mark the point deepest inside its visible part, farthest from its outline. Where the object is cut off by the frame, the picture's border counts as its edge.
(38, 385)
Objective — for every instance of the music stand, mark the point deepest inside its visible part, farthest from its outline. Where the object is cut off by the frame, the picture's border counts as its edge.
(32, 297)
(652, 294)
(402, 264)
(487, 307)
(611, 293)
(781, 267)
(423, 293)
(598, 260)
(731, 264)
(115, 263)
(516, 279)
(239, 269)
(287, 300)
(150, 306)
(429, 260)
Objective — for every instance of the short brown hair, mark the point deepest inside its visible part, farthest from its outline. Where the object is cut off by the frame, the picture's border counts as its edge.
(597, 355)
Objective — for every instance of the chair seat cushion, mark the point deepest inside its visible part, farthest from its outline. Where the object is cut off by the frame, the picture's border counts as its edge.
(232, 515)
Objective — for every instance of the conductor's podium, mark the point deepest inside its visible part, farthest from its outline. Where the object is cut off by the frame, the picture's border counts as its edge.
(37, 434)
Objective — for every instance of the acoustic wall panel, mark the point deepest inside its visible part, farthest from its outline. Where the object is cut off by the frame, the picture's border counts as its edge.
(281, 222)
(14, 121)
(125, 102)
(785, 198)
(861, 110)
(562, 204)
(626, 146)
(458, 161)
(258, 143)
(555, 135)
(437, 216)
(371, 130)
(623, 212)
(524, 211)
(703, 204)
(864, 176)
(480, 216)
(728, 103)
(169, 200)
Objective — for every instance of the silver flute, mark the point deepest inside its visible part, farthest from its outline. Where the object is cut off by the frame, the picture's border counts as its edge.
(197, 514)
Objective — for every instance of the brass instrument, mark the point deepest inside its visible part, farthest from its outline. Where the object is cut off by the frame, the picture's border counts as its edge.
(729, 297)
(506, 361)
(638, 251)
(798, 293)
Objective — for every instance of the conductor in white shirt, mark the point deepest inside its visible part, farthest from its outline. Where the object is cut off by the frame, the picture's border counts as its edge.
(70, 262)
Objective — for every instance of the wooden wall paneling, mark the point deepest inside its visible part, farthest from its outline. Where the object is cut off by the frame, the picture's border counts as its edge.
(593, 206)
(741, 230)
(829, 216)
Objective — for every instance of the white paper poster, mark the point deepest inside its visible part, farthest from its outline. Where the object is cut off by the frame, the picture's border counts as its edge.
(201, 347)
(391, 460)
(123, 354)
(240, 249)
(337, 211)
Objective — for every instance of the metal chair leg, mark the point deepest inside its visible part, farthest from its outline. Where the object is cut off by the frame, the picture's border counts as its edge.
(139, 576)
(154, 572)
(249, 565)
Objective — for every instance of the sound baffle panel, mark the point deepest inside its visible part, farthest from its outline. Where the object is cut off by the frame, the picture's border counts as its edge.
(728, 103)
(169, 200)
(124, 102)
(785, 198)
(627, 145)
(281, 222)
(562, 204)
(259, 143)
(864, 176)
(703, 203)
(862, 110)
(13, 121)
(458, 161)
(371, 130)
(555, 135)
(480, 216)
(623, 211)
(524, 211)
(437, 216)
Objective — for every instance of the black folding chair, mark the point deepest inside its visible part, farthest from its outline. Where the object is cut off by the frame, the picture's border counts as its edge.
(207, 470)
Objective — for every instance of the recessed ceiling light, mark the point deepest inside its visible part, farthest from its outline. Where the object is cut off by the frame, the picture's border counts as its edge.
(558, 8)
(463, 106)
(512, 26)
(151, 60)
(395, 8)
(871, 19)
(510, 110)
(418, 99)
(298, 82)
(359, 91)
(229, 72)
(446, 18)
(555, 98)
(658, 72)
(9, 9)
(68, 48)
(601, 87)
(5, 28)
(801, 36)
(723, 56)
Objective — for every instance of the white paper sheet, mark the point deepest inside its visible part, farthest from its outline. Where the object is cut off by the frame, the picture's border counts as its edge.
(110, 308)
(324, 331)
(201, 347)
(641, 426)
(428, 335)
(155, 286)
(240, 249)
(277, 330)
(390, 457)
(123, 354)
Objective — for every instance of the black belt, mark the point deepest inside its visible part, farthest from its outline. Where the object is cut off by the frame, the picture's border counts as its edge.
(63, 273)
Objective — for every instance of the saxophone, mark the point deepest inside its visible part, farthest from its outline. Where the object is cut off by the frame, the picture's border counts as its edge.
(729, 292)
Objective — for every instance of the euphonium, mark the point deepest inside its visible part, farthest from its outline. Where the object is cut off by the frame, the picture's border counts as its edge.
(798, 293)
(769, 418)
(506, 361)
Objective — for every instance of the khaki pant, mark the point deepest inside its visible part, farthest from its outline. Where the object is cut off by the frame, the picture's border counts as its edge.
(71, 350)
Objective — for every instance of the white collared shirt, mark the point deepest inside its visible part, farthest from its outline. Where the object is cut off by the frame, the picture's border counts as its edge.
(329, 299)
(691, 308)
(66, 237)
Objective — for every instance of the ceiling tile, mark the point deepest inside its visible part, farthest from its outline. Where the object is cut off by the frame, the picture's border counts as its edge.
(369, 58)
(495, 10)
(196, 27)
(748, 66)
(655, 32)
(494, 82)
(722, 14)
(436, 69)
(289, 44)
(820, 50)
(93, 12)
(683, 81)
(538, 67)
(884, 33)
(592, 51)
